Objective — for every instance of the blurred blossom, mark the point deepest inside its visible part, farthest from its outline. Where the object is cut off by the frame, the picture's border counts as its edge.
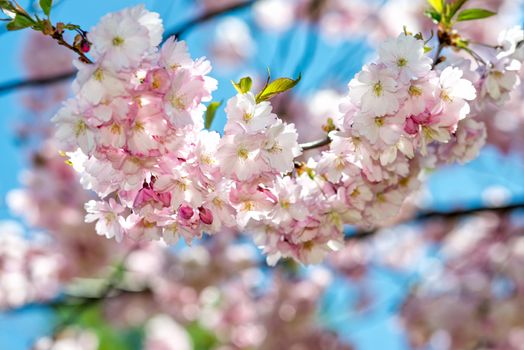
(496, 196)
(42, 57)
(265, 11)
(474, 298)
(163, 333)
(233, 43)
(214, 5)
(70, 339)
(30, 270)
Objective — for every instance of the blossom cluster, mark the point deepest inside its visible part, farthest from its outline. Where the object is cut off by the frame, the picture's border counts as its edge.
(30, 271)
(471, 299)
(134, 130)
(225, 295)
(397, 111)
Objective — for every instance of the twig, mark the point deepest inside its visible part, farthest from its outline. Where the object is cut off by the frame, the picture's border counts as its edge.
(437, 54)
(112, 282)
(206, 16)
(315, 144)
(17, 84)
(22, 83)
(441, 215)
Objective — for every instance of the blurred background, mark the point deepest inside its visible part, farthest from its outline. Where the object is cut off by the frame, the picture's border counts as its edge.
(448, 274)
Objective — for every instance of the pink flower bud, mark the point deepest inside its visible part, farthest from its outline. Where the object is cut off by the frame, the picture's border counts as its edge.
(185, 212)
(158, 80)
(85, 46)
(206, 216)
(411, 127)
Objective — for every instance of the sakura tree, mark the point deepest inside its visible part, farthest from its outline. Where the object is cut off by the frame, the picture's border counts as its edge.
(136, 135)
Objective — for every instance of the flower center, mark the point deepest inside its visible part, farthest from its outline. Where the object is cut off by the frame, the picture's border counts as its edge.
(248, 206)
(377, 89)
(402, 62)
(243, 153)
(217, 202)
(99, 74)
(247, 117)
(115, 129)
(118, 41)
(379, 121)
(177, 102)
(80, 128)
(415, 91)
(139, 126)
(445, 96)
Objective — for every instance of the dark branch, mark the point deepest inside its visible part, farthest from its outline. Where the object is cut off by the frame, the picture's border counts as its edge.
(448, 215)
(205, 17)
(17, 84)
(315, 144)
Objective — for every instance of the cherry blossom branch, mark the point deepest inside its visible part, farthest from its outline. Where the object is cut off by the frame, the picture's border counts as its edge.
(112, 290)
(58, 36)
(436, 59)
(315, 144)
(447, 215)
(17, 84)
(205, 17)
(86, 302)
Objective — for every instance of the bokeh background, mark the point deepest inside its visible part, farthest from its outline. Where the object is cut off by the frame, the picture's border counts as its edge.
(369, 283)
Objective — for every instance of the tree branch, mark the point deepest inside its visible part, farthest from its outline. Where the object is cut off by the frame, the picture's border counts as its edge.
(17, 84)
(423, 216)
(205, 17)
(315, 144)
(436, 59)
(86, 302)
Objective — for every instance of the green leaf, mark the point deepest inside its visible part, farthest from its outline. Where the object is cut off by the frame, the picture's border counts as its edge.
(5, 4)
(276, 87)
(437, 5)
(244, 85)
(211, 112)
(472, 14)
(20, 22)
(109, 338)
(435, 16)
(46, 6)
(201, 337)
(71, 26)
(455, 6)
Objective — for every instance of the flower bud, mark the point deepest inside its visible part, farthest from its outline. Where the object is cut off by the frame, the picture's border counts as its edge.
(206, 216)
(185, 212)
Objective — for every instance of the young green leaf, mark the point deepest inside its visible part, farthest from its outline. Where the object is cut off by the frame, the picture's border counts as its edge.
(46, 6)
(437, 5)
(244, 85)
(20, 22)
(211, 112)
(455, 6)
(276, 87)
(5, 4)
(434, 15)
(472, 14)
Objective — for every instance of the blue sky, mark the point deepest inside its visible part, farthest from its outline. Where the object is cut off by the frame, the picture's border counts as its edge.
(453, 187)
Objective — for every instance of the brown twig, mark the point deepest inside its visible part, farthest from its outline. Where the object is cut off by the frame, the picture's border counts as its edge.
(207, 16)
(182, 29)
(423, 216)
(315, 144)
